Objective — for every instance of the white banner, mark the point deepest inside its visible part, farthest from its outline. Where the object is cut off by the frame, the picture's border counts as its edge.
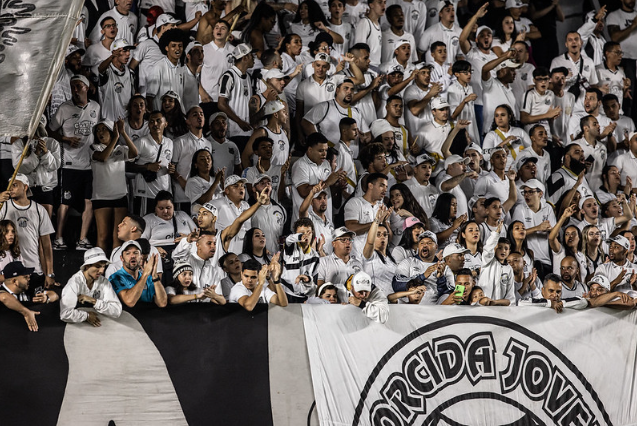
(473, 366)
(34, 37)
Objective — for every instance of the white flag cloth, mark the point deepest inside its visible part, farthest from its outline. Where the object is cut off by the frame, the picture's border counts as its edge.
(34, 38)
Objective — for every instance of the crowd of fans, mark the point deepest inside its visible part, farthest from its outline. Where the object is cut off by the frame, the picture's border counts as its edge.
(408, 151)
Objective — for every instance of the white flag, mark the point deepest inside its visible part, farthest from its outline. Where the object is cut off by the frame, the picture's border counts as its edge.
(34, 38)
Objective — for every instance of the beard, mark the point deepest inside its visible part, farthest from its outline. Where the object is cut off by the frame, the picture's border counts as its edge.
(577, 167)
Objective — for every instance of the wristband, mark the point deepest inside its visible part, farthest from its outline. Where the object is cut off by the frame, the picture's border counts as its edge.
(156, 279)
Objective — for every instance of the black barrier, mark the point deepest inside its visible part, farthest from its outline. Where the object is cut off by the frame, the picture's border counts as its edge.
(216, 356)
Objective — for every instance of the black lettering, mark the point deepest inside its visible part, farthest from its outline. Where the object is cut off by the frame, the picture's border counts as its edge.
(510, 377)
(421, 371)
(480, 357)
(401, 398)
(561, 395)
(450, 355)
(578, 414)
(536, 376)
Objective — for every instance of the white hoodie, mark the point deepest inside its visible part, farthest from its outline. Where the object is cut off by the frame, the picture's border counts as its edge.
(107, 302)
(496, 280)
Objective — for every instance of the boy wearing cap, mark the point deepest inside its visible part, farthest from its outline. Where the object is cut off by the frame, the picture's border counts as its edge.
(148, 53)
(461, 97)
(432, 135)
(271, 216)
(138, 281)
(89, 287)
(33, 227)
(276, 116)
(338, 266)
(317, 88)
(538, 218)
(73, 125)
(12, 291)
(235, 90)
(359, 291)
(116, 81)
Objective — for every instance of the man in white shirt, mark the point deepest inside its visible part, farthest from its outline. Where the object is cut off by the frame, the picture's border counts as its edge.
(592, 104)
(431, 136)
(126, 21)
(226, 153)
(235, 91)
(338, 266)
(418, 97)
(168, 74)
(217, 59)
(116, 81)
(445, 31)
(253, 289)
(497, 91)
(360, 212)
(73, 126)
(498, 183)
(621, 27)
(539, 141)
(538, 218)
(617, 251)
(396, 36)
(96, 53)
(449, 180)
(317, 88)
(594, 151)
(422, 189)
(230, 207)
(563, 99)
(627, 163)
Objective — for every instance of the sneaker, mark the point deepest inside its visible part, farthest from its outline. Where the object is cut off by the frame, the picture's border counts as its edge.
(83, 245)
(58, 244)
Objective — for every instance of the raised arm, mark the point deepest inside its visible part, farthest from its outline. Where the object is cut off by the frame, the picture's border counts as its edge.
(130, 296)
(465, 44)
(513, 192)
(381, 216)
(232, 230)
(555, 232)
(491, 65)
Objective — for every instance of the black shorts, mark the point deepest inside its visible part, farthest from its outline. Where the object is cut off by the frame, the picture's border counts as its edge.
(77, 185)
(110, 204)
(42, 197)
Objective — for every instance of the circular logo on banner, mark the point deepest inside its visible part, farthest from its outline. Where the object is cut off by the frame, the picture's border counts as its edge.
(449, 373)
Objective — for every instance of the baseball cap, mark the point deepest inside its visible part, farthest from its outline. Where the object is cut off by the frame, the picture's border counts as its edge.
(439, 103)
(211, 208)
(428, 234)
(181, 266)
(260, 177)
(322, 57)
(121, 43)
(631, 136)
(509, 64)
(510, 4)
(164, 19)
(108, 123)
(340, 232)
(482, 28)
(171, 94)
(94, 255)
(396, 69)
(583, 199)
(411, 221)
(422, 65)
(272, 107)
(454, 248)
(601, 280)
(443, 4)
(192, 45)
(361, 281)
(425, 158)
(453, 159)
(400, 42)
(214, 116)
(378, 127)
(318, 194)
(533, 184)
(242, 50)
(25, 180)
(621, 240)
(129, 243)
(525, 160)
(16, 269)
(473, 146)
(73, 48)
(273, 73)
(233, 180)
(83, 79)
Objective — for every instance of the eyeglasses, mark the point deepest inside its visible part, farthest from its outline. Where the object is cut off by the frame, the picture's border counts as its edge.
(110, 26)
(616, 52)
(344, 240)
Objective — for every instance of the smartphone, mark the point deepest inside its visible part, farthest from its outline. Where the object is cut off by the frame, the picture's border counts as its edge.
(459, 290)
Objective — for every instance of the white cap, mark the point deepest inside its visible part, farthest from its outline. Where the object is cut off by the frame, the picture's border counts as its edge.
(242, 50)
(108, 123)
(378, 127)
(233, 180)
(400, 42)
(473, 146)
(361, 281)
(79, 77)
(215, 115)
(510, 4)
(129, 243)
(260, 177)
(482, 28)
(25, 180)
(439, 103)
(396, 68)
(425, 158)
(509, 64)
(428, 234)
(621, 240)
(164, 19)
(339, 232)
(583, 199)
(631, 136)
(211, 208)
(171, 94)
(273, 73)
(522, 161)
(442, 4)
(453, 159)
(322, 57)
(192, 45)
(533, 184)
(73, 48)
(94, 255)
(601, 280)
(272, 107)
(121, 43)
(454, 248)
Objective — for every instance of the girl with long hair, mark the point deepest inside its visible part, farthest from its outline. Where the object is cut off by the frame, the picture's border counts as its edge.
(592, 247)
(505, 35)
(379, 263)
(405, 206)
(506, 133)
(9, 245)
(173, 111)
(254, 245)
(516, 234)
(309, 21)
(469, 237)
(443, 220)
(571, 244)
(201, 187)
(290, 51)
(261, 22)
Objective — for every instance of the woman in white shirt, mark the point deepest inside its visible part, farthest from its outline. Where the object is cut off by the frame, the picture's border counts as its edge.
(377, 261)
(184, 290)
(443, 221)
(9, 245)
(290, 52)
(504, 35)
(201, 187)
(309, 21)
(110, 191)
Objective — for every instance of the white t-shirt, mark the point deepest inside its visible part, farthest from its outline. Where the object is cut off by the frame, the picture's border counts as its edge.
(361, 211)
(305, 171)
(389, 41)
(148, 150)
(184, 147)
(109, 177)
(237, 89)
(623, 20)
(148, 55)
(227, 213)
(332, 269)
(538, 242)
(326, 116)
(370, 33)
(239, 290)
(163, 77)
(494, 94)
(77, 122)
(116, 89)
(160, 232)
(217, 60)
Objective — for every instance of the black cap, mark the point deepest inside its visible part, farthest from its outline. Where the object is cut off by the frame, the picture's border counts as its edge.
(16, 269)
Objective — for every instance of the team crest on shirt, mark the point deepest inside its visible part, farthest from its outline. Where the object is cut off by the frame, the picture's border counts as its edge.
(67, 195)
(118, 87)
(357, 269)
(231, 151)
(433, 13)
(168, 154)
(545, 218)
(586, 67)
(414, 15)
(275, 179)
(504, 278)
(84, 128)
(245, 91)
(547, 101)
(282, 145)
(93, 114)
(330, 87)
(524, 76)
(279, 217)
(23, 222)
(454, 41)
(97, 295)
(229, 58)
